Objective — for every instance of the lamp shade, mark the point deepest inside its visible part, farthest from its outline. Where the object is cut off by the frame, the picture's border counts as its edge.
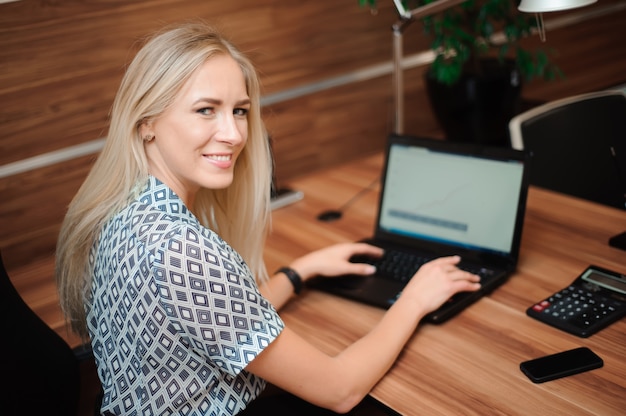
(540, 6)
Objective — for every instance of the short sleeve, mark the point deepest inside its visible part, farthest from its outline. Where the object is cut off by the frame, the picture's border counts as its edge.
(211, 300)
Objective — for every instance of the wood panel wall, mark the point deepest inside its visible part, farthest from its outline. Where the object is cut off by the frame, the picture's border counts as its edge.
(61, 62)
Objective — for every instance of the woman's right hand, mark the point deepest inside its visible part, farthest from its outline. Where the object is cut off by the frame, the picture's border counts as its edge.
(340, 381)
(436, 281)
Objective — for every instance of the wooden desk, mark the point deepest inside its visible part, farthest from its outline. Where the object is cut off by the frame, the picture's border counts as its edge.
(470, 364)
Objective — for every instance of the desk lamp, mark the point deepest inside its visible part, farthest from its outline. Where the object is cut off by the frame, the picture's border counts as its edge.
(540, 6)
(407, 16)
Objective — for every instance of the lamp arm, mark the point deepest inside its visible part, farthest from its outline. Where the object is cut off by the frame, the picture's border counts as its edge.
(404, 13)
(398, 76)
(432, 8)
(406, 17)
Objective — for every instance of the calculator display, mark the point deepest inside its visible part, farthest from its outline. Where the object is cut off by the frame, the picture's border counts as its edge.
(605, 280)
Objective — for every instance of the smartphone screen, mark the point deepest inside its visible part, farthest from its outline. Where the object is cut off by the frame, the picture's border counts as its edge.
(561, 364)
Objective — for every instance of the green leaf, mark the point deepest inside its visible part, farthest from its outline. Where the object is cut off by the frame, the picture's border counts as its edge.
(462, 33)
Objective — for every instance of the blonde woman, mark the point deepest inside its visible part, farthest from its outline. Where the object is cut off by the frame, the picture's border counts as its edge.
(160, 262)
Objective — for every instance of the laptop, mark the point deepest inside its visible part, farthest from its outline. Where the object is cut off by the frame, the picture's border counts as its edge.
(440, 198)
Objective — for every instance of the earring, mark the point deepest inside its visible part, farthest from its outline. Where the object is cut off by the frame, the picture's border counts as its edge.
(148, 138)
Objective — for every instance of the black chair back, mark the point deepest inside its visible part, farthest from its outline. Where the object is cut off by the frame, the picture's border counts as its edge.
(41, 374)
(577, 146)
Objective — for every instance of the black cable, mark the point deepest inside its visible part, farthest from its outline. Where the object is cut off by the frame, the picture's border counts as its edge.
(335, 214)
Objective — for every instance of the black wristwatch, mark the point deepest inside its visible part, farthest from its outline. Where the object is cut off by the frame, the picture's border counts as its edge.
(294, 278)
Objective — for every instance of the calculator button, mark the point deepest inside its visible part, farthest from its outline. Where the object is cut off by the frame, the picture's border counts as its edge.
(541, 306)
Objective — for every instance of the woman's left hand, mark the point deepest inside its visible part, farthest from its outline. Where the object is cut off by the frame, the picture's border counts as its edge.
(335, 260)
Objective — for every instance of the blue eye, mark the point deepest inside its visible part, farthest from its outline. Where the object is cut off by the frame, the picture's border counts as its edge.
(207, 111)
(240, 111)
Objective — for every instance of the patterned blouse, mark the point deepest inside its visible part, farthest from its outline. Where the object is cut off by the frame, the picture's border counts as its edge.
(174, 313)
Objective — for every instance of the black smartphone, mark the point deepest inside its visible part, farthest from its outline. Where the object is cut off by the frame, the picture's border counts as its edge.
(561, 364)
(618, 241)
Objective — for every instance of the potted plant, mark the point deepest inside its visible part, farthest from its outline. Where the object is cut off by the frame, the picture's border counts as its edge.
(475, 80)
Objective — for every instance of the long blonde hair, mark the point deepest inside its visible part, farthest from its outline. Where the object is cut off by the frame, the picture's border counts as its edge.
(240, 214)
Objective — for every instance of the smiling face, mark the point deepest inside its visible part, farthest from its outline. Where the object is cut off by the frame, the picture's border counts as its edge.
(198, 138)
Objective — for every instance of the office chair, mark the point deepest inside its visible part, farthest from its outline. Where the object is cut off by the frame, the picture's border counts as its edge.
(40, 372)
(577, 146)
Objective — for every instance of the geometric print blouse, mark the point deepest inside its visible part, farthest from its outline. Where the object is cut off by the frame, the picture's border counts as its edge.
(174, 313)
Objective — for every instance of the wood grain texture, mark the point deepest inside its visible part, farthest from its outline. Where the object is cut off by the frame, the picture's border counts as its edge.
(61, 63)
(470, 364)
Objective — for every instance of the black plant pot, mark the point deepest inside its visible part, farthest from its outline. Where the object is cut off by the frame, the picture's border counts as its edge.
(479, 106)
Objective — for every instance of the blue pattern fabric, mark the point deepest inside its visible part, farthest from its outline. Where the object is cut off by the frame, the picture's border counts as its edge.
(174, 313)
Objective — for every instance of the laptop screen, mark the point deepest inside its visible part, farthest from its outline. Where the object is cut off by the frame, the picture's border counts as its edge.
(468, 200)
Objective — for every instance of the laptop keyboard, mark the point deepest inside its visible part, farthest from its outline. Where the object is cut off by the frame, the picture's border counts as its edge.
(401, 266)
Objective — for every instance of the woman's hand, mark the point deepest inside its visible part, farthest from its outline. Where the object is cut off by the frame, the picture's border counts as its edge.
(436, 281)
(330, 261)
(335, 260)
